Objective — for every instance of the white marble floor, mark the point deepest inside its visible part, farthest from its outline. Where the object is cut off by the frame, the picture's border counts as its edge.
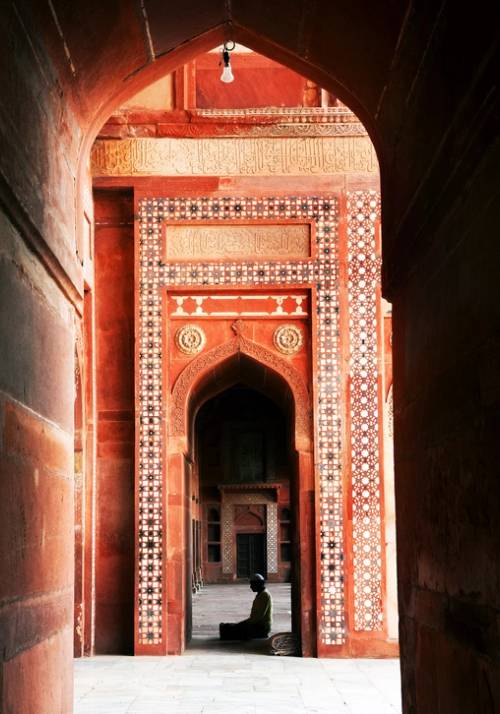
(216, 677)
(222, 683)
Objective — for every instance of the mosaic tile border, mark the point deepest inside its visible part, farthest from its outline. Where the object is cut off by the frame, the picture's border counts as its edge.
(364, 266)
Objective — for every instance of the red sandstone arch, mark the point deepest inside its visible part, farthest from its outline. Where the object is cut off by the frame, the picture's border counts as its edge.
(355, 85)
(205, 376)
(192, 381)
(178, 426)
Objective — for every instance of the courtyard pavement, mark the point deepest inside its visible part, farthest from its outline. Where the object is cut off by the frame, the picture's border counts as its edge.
(235, 678)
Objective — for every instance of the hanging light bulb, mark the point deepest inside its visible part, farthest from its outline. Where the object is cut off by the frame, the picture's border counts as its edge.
(227, 73)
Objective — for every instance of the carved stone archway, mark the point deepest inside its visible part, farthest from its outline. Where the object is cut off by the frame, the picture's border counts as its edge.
(200, 380)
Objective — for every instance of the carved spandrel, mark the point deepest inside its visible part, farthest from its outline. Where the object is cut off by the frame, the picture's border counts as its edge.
(209, 242)
(249, 156)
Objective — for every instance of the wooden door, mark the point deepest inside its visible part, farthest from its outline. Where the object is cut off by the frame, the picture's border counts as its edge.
(250, 554)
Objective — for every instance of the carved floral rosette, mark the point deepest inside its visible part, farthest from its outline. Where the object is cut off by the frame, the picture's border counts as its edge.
(190, 339)
(288, 339)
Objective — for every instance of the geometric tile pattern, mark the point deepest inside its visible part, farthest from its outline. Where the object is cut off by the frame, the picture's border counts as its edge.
(364, 279)
(227, 537)
(272, 537)
(323, 272)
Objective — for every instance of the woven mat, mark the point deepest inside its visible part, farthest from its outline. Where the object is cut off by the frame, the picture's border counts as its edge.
(284, 644)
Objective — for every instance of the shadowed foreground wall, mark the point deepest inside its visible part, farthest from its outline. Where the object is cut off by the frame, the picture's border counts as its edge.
(36, 486)
(40, 279)
(447, 425)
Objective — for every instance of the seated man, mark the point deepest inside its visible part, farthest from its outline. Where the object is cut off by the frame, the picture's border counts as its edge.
(260, 620)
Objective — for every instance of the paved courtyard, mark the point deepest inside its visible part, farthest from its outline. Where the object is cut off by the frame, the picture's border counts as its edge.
(225, 678)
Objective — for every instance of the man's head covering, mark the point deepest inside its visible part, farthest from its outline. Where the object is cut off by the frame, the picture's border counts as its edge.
(257, 578)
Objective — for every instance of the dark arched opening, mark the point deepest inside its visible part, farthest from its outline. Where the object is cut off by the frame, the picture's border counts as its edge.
(241, 490)
(221, 379)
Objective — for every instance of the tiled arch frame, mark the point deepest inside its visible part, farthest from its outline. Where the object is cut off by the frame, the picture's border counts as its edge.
(182, 406)
(345, 273)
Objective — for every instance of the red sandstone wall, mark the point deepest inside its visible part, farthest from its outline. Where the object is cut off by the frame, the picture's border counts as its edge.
(218, 331)
(114, 280)
(259, 82)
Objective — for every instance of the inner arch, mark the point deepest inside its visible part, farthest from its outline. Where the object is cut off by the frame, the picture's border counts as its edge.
(243, 369)
(242, 483)
(274, 400)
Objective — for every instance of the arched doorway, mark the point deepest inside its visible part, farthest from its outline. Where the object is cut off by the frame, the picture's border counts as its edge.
(240, 361)
(241, 493)
(318, 268)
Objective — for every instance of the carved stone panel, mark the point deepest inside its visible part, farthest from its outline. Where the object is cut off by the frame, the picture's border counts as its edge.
(251, 156)
(239, 305)
(210, 242)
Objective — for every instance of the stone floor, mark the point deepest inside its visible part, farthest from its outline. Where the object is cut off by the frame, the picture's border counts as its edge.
(222, 678)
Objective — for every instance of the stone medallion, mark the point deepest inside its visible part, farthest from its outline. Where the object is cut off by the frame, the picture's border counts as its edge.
(190, 339)
(288, 339)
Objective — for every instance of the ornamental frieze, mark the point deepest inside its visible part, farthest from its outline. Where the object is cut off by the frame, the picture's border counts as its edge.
(247, 305)
(263, 130)
(250, 156)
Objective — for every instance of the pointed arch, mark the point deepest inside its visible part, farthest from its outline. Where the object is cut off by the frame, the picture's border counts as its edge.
(205, 364)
